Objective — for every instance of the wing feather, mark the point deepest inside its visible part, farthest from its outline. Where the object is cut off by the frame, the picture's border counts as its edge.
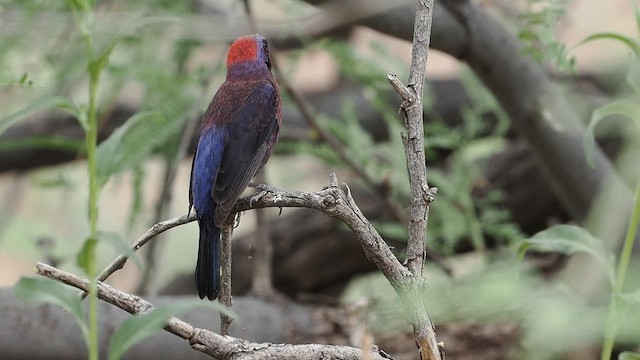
(249, 129)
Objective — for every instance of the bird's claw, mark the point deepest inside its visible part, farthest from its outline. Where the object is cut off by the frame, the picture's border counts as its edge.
(264, 190)
(257, 196)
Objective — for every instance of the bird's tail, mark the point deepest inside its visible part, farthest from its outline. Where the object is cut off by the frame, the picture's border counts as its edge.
(208, 265)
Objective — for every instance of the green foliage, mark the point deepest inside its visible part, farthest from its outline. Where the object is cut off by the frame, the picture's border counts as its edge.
(626, 108)
(47, 291)
(131, 143)
(539, 33)
(52, 142)
(458, 215)
(44, 103)
(542, 310)
(136, 207)
(162, 116)
(568, 240)
(85, 257)
(628, 355)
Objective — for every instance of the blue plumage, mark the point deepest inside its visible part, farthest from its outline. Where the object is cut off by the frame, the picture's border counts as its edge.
(239, 132)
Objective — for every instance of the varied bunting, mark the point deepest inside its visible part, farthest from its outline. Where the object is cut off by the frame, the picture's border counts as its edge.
(239, 132)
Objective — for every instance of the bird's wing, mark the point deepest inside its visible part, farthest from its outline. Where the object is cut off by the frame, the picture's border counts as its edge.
(249, 129)
(206, 162)
(193, 163)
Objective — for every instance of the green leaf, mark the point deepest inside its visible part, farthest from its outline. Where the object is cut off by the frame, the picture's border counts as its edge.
(619, 107)
(47, 291)
(140, 327)
(43, 142)
(568, 239)
(82, 259)
(629, 42)
(628, 355)
(482, 148)
(128, 144)
(633, 74)
(43, 103)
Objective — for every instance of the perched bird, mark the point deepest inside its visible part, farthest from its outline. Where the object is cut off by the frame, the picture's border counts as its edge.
(239, 132)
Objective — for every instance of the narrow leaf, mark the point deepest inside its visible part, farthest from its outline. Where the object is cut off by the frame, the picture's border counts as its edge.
(482, 148)
(43, 103)
(628, 355)
(43, 142)
(619, 107)
(629, 42)
(47, 291)
(567, 239)
(140, 327)
(633, 74)
(82, 259)
(115, 154)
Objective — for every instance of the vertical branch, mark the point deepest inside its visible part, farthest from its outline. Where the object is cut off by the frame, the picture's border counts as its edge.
(225, 288)
(414, 140)
(421, 194)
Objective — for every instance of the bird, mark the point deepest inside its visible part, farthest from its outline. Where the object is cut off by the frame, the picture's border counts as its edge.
(239, 132)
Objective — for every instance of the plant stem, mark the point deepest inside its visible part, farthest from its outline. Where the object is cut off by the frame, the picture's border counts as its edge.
(613, 315)
(84, 17)
(92, 142)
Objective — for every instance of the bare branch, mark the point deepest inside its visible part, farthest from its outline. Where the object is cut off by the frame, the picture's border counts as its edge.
(414, 141)
(332, 201)
(421, 195)
(206, 341)
(225, 283)
(156, 229)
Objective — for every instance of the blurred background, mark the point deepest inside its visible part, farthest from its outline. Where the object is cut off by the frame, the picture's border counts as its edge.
(496, 183)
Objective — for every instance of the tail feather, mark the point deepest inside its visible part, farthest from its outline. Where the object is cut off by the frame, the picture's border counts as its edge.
(208, 265)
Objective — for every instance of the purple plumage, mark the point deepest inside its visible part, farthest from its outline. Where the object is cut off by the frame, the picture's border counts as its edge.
(239, 132)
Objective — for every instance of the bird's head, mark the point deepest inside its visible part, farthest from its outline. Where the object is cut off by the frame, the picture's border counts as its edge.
(249, 53)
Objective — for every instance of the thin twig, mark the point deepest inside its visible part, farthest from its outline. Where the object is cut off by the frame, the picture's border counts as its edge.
(156, 229)
(206, 341)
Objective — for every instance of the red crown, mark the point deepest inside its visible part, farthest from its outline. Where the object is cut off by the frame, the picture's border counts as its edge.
(243, 49)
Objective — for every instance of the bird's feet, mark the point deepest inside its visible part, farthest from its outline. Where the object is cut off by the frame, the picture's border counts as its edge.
(264, 190)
